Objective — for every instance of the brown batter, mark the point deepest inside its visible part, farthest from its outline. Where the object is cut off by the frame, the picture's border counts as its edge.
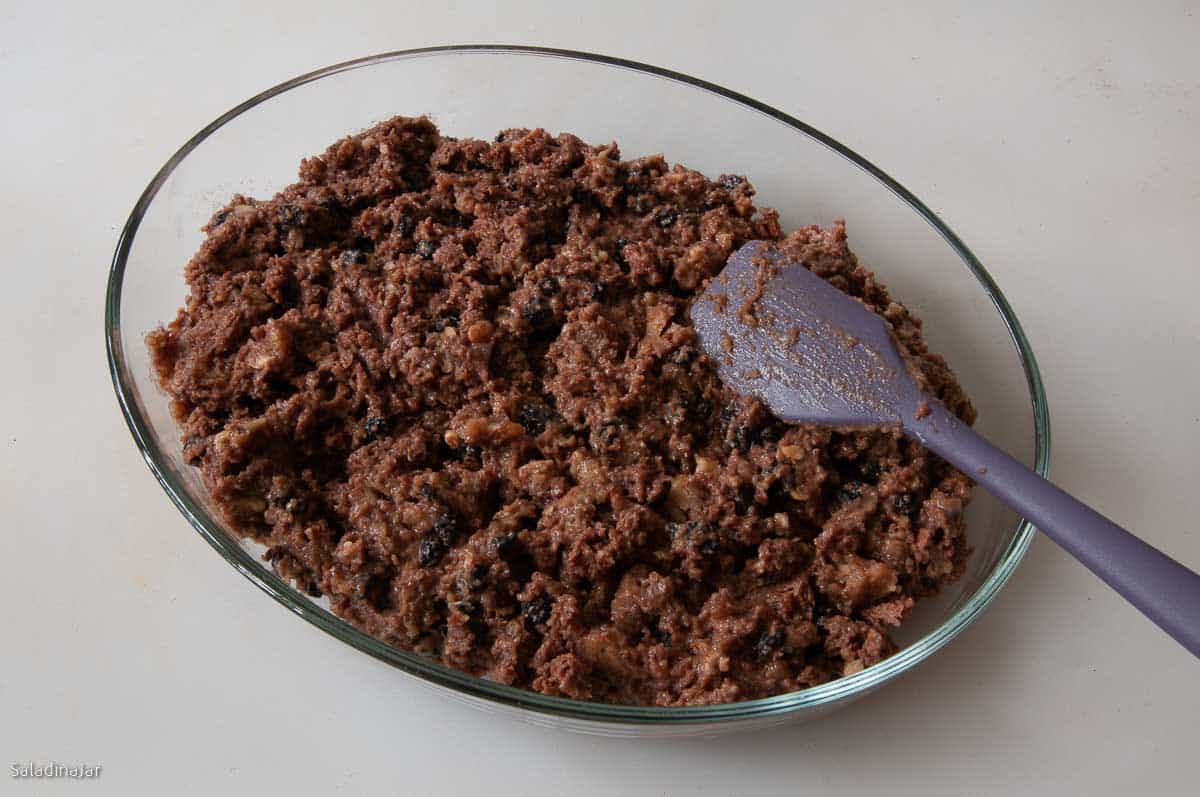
(452, 385)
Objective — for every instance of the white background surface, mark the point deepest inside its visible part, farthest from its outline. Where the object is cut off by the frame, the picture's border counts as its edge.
(1060, 142)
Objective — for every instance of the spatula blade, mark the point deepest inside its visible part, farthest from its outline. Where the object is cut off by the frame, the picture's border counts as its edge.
(812, 353)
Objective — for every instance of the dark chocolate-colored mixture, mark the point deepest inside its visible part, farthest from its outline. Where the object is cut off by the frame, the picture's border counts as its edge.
(452, 385)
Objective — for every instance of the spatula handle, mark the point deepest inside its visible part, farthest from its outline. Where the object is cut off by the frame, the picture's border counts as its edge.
(1161, 588)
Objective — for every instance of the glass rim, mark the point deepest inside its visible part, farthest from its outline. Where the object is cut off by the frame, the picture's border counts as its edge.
(476, 687)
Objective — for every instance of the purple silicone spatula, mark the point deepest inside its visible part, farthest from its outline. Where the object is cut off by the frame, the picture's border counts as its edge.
(815, 355)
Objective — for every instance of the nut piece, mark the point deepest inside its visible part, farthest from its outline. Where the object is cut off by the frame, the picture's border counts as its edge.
(792, 452)
(475, 431)
(250, 503)
(480, 332)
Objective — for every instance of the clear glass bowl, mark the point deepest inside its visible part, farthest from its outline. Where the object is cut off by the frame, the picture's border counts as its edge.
(476, 91)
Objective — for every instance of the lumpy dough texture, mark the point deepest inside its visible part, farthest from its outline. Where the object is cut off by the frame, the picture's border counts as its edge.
(452, 385)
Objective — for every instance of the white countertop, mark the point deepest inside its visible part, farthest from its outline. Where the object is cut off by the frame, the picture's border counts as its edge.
(1060, 143)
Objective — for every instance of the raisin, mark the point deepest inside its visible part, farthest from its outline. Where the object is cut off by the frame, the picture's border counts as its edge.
(822, 608)
(538, 314)
(292, 216)
(869, 470)
(599, 292)
(904, 503)
(731, 181)
(445, 529)
(607, 436)
(666, 218)
(658, 634)
(738, 435)
(536, 611)
(703, 408)
(700, 537)
(503, 543)
(639, 204)
(430, 552)
(353, 257)
(373, 426)
(193, 450)
(677, 529)
(743, 438)
(425, 249)
(850, 491)
(469, 452)
(404, 226)
(220, 218)
(768, 643)
(375, 590)
(447, 319)
(548, 286)
(619, 253)
(771, 433)
(476, 579)
(743, 501)
(533, 417)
